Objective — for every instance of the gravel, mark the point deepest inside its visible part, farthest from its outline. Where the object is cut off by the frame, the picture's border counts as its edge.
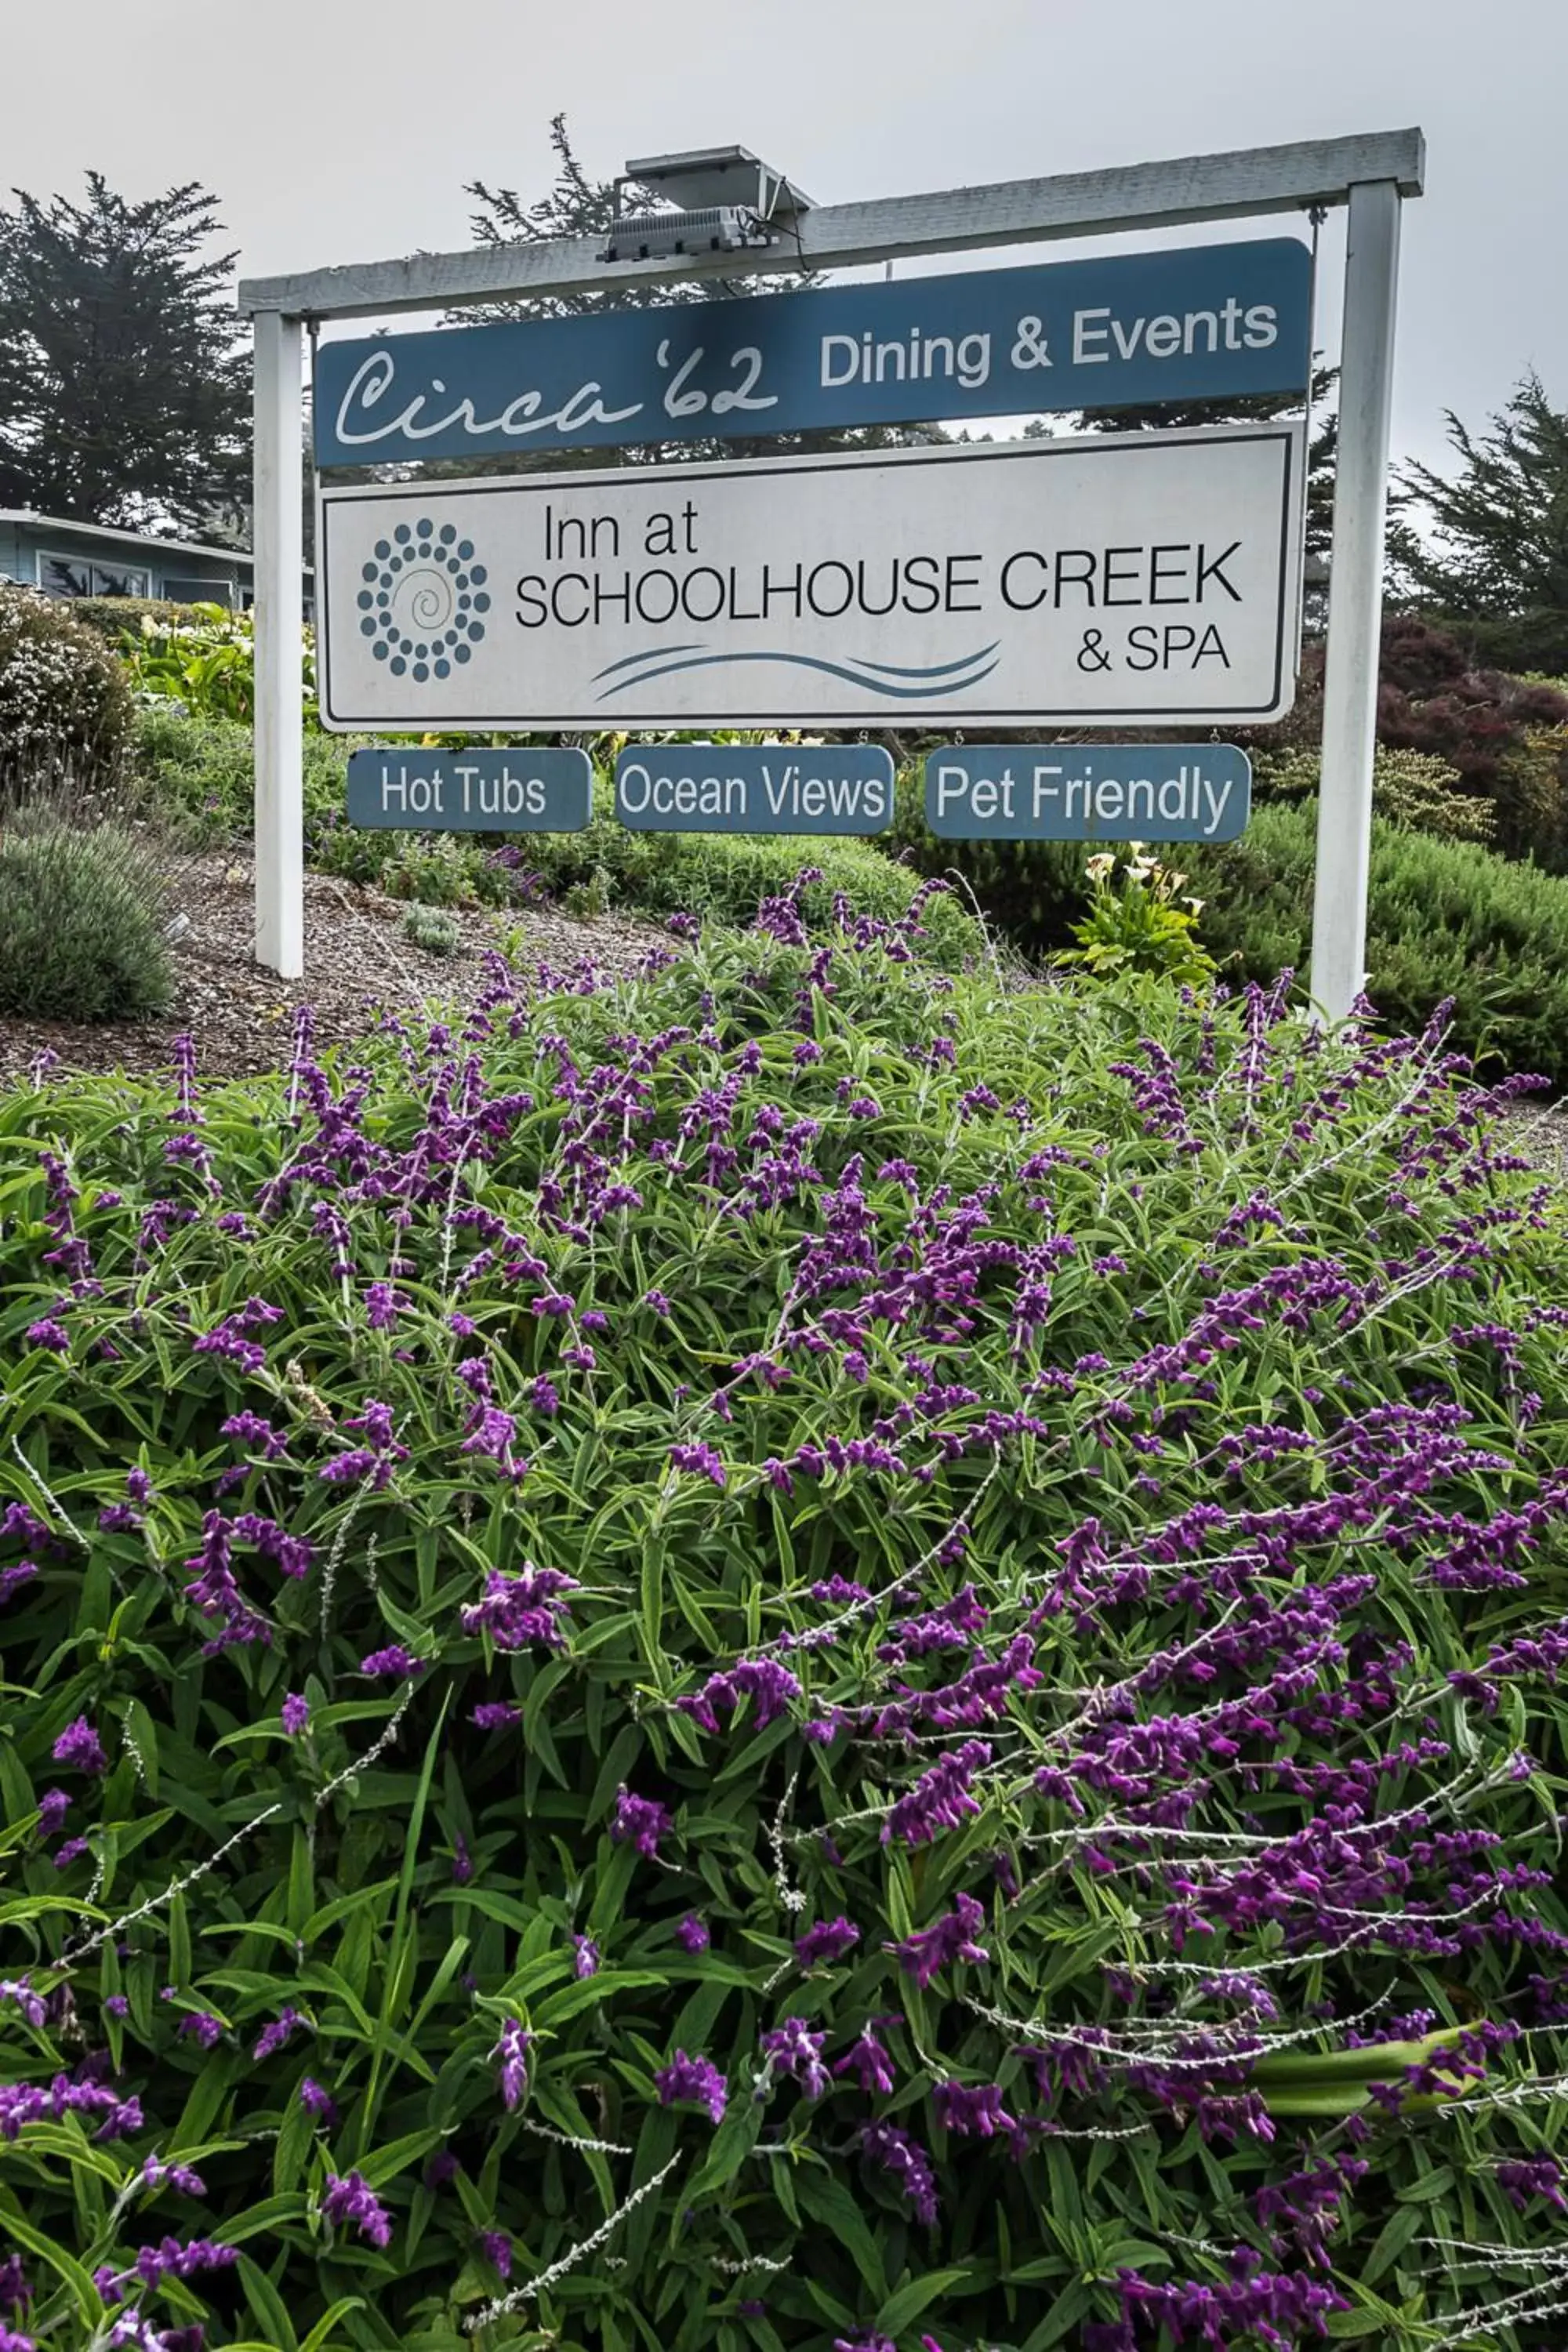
(1539, 1133)
(358, 962)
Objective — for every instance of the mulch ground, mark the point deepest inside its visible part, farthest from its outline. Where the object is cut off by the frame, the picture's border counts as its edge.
(358, 962)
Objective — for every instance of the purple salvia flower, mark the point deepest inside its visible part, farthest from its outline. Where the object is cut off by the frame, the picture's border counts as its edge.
(349, 2200)
(380, 1305)
(513, 2050)
(272, 2037)
(640, 1822)
(462, 1860)
(202, 2027)
(155, 2173)
(317, 2103)
(296, 1714)
(940, 1799)
(692, 1934)
(793, 2049)
(53, 1807)
(32, 2005)
(518, 1612)
(829, 1941)
(81, 1746)
(697, 2079)
(700, 1458)
(496, 2247)
(252, 1430)
(896, 2153)
(868, 2062)
(12, 1578)
(585, 1956)
(394, 1659)
(976, 2113)
(950, 1940)
(496, 1714)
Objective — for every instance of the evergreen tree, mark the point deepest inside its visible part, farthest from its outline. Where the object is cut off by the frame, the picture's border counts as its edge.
(1498, 542)
(124, 381)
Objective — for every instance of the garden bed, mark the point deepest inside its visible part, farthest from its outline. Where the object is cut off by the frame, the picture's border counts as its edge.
(358, 961)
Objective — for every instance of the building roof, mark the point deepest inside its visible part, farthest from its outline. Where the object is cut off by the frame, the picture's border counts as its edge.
(126, 538)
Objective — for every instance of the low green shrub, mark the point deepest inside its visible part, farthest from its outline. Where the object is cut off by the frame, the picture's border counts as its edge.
(433, 929)
(112, 616)
(82, 923)
(65, 712)
(1444, 920)
(198, 775)
(796, 1656)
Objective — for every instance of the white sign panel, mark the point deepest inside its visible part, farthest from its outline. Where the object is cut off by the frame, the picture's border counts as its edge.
(1116, 579)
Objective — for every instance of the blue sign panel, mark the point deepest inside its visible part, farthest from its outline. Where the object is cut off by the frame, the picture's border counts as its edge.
(756, 788)
(470, 791)
(1123, 330)
(1081, 791)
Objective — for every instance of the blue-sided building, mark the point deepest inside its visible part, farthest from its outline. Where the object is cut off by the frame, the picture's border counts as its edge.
(89, 559)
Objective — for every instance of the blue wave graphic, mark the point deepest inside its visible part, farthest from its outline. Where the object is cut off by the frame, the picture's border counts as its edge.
(662, 664)
(938, 669)
(629, 661)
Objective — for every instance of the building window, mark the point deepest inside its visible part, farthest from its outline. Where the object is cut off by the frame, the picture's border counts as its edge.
(72, 575)
(198, 592)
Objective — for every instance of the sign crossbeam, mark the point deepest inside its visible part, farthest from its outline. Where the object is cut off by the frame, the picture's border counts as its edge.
(1245, 181)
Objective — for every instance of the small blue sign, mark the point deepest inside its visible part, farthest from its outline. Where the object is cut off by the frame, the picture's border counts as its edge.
(1118, 330)
(470, 791)
(1082, 792)
(756, 788)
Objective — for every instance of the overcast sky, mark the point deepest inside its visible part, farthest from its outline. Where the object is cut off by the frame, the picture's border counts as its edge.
(333, 133)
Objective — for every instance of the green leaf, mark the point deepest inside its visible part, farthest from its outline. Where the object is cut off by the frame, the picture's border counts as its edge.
(268, 2305)
(733, 2141)
(317, 2339)
(88, 2301)
(907, 2302)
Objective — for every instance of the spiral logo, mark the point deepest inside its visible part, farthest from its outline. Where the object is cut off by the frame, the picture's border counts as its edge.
(423, 601)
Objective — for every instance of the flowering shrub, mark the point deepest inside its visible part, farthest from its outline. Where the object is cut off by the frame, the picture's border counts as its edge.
(64, 710)
(203, 660)
(1138, 920)
(803, 1656)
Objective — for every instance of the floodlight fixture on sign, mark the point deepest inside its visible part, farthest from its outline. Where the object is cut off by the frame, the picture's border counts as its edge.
(711, 199)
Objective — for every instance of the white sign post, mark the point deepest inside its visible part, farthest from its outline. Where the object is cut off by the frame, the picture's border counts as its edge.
(1116, 579)
(1372, 173)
